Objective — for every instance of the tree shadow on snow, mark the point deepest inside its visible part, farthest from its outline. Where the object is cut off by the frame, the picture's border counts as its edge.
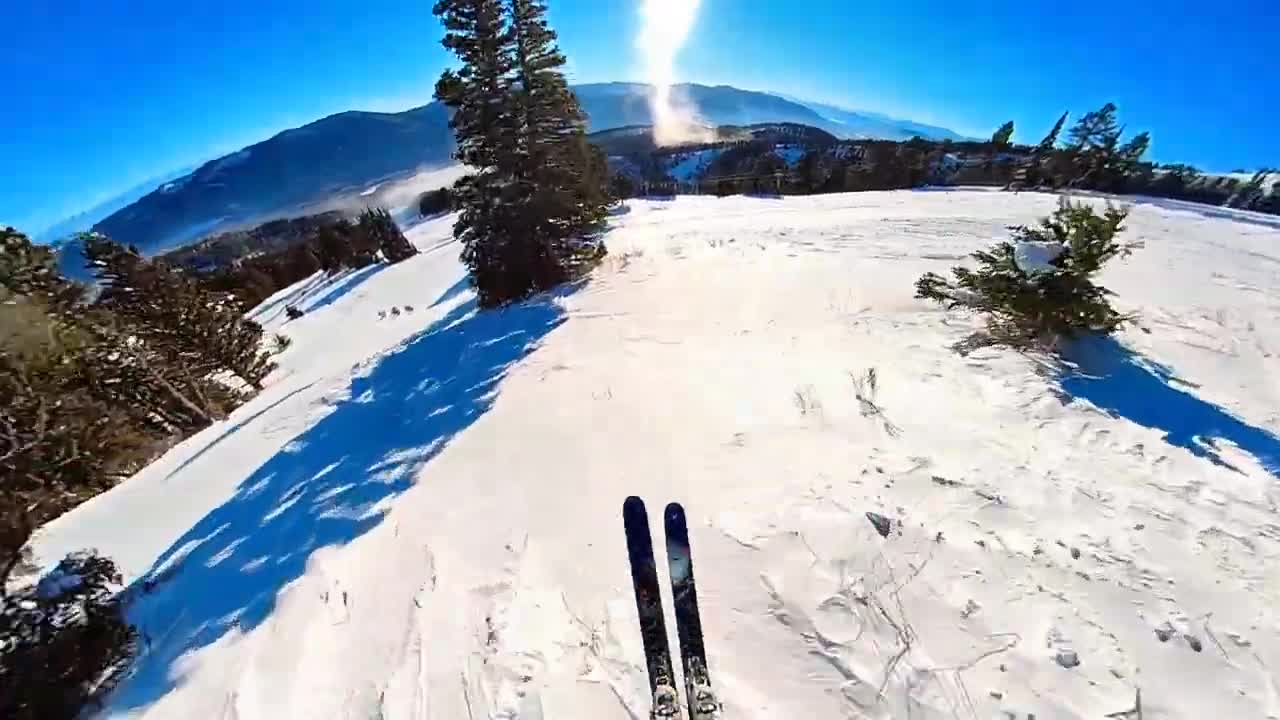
(1124, 384)
(454, 290)
(333, 286)
(328, 486)
(344, 283)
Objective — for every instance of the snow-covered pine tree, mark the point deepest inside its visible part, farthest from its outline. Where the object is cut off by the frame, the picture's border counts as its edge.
(1037, 289)
(378, 225)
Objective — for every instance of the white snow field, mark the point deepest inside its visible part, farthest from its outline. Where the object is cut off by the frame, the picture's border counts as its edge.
(420, 517)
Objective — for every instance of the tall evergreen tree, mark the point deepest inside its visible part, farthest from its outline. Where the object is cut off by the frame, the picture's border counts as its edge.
(536, 187)
(1093, 143)
(567, 170)
(1123, 164)
(1000, 140)
(479, 95)
(1050, 141)
(1095, 129)
(333, 248)
(1002, 136)
(1036, 171)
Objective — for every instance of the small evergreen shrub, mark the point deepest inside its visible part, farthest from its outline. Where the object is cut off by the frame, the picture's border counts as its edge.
(1037, 289)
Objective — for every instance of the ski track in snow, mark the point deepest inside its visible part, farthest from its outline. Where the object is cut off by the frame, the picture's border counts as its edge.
(420, 517)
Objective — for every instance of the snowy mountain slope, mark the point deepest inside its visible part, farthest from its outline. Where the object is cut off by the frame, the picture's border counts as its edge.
(689, 166)
(300, 169)
(420, 516)
(876, 125)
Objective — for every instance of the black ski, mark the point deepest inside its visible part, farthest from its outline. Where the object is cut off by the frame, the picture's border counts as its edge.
(653, 629)
(697, 679)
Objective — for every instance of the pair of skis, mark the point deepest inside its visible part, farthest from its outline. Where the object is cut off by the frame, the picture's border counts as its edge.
(702, 703)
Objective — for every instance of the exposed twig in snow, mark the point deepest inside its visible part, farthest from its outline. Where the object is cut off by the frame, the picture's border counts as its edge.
(466, 696)
(1214, 638)
(807, 546)
(970, 664)
(864, 390)
(906, 634)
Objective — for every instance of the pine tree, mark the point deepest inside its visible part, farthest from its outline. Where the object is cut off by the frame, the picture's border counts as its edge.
(1093, 143)
(479, 95)
(622, 186)
(1050, 141)
(365, 248)
(333, 247)
(1252, 194)
(303, 261)
(1121, 165)
(1035, 171)
(811, 172)
(58, 439)
(1038, 307)
(1271, 203)
(195, 331)
(378, 225)
(1001, 138)
(537, 185)
(562, 177)
(1096, 129)
(435, 202)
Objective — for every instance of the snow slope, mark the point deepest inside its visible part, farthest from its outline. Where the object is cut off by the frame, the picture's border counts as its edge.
(420, 516)
(688, 167)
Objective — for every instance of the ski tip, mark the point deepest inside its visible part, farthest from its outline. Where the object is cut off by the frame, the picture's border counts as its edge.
(632, 504)
(674, 511)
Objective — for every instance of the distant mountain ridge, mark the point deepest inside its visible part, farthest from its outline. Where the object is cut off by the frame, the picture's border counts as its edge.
(284, 174)
(86, 219)
(881, 127)
(345, 153)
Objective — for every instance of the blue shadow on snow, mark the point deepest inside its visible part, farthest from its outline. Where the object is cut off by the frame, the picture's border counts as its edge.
(325, 488)
(353, 280)
(1124, 384)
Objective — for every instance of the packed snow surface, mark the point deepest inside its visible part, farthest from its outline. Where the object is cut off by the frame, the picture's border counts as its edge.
(420, 517)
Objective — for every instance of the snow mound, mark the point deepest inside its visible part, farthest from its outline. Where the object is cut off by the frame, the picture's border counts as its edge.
(1037, 256)
(421, 514)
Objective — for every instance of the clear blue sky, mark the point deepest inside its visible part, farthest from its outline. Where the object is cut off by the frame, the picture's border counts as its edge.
(100, 96)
